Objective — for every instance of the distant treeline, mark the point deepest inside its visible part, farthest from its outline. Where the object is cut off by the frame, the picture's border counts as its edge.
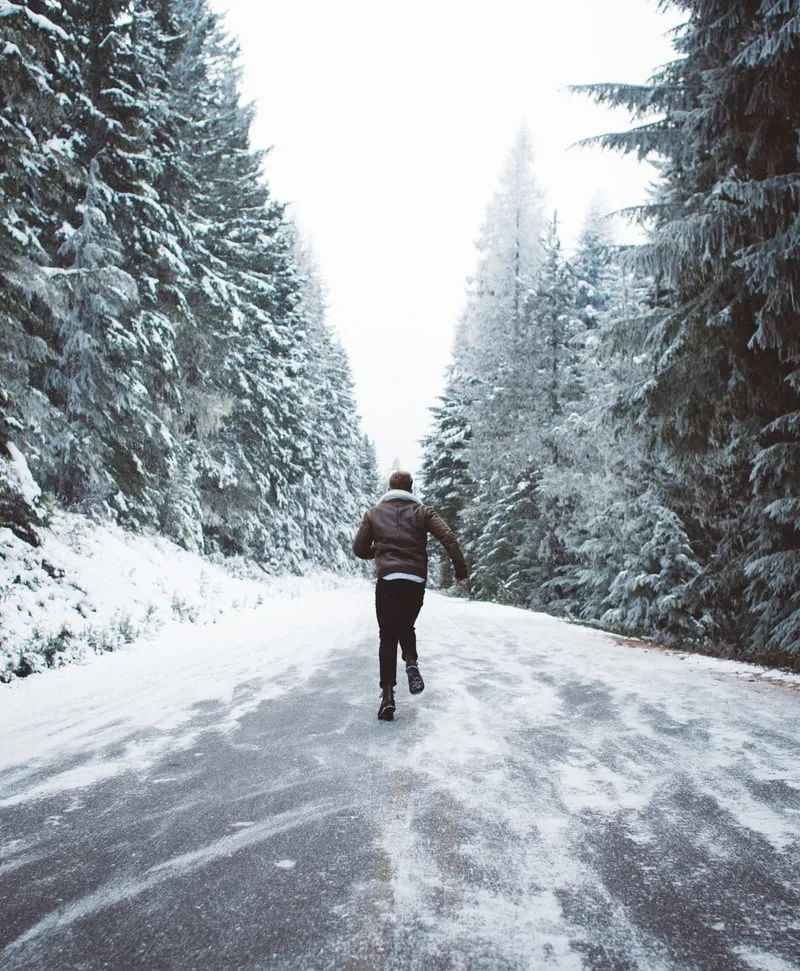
(619, 439)
(164, 355)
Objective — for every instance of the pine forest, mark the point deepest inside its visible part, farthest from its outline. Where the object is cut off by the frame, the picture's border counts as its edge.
(619, 438)
(165, 358)
(618, 441)
(400, 485)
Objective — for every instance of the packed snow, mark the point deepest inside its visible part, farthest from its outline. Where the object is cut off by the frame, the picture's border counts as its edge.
(486, 802)
(94, 587)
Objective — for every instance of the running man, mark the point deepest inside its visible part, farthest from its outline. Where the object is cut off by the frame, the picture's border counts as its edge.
(395, 534)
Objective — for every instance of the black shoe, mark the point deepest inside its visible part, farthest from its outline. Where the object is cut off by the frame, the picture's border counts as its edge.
(386, 710)
(415, 683)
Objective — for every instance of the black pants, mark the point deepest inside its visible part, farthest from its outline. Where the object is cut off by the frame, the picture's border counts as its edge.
(397, 604)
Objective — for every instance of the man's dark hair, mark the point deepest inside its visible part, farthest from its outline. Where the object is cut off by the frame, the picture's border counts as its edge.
(401, 480)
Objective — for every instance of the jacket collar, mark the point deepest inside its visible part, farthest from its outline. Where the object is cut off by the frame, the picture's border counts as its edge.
(399, 494)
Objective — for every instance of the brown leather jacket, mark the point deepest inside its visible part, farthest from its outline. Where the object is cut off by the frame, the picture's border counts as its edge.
(395, 534)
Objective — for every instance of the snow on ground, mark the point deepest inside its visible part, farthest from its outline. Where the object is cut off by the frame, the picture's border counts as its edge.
(94, 587)
(555, 793)
(560, 755)
(186, 632)
(122, 711)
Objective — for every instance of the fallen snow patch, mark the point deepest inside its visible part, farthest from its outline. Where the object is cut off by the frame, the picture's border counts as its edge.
(24, 481)
(93, 587)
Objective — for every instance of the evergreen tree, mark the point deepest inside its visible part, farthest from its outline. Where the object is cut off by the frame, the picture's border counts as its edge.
(36, 159)
(628, 562)
(723, 394)
(239, 352)
(197, 55)
(578, 485)
(474, 446)
(447, 483)
(650, 591)
(503, 532)
(340, 473)
(545, 379)
(546, 359)
(370, 475)
(95, 382)
(162, 358)
(594, 267)
(495, 322)
(115, 342)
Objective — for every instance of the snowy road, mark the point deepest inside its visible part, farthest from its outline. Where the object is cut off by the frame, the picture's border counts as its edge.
(553, 799)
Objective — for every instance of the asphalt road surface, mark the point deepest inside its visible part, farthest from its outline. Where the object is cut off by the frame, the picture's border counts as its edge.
(554, 799)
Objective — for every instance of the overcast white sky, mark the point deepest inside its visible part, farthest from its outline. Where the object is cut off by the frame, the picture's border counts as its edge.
(389, 124)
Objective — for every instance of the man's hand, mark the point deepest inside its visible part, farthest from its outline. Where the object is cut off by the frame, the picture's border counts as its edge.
(462, 582)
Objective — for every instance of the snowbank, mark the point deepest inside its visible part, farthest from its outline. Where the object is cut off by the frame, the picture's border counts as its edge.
(91, 588)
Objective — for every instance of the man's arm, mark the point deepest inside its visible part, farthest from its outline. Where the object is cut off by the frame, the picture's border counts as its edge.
(363, 546)
(447, 538)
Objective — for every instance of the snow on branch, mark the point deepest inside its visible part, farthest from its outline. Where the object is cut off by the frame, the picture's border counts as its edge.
(772, 44)
(637, 98)
(655, 136)
(8, 9)
(768, 194)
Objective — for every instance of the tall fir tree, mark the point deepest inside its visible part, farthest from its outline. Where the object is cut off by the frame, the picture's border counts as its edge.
(115, 343)
(447, 484)
(36, 162)
(723, 393)
(339, 468)
(239, 351)
(514, 526)
(494, 323)
(95, 381)
(159, 360)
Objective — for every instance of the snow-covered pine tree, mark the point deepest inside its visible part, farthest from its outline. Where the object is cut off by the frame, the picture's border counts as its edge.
(95, 383)
(241, 423)
(370, 473)
(583, 437)
(157, 233)
(546, 359)
(116, 338)
(339, 475)
(503, 531)
(650, 593)
(594, 266)
(35, 162)
(724, 248)
(473, 450)
(540, 385)
(765, 194)
(446, 482)
(495, 318)
(196, 56)
(628, 562)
